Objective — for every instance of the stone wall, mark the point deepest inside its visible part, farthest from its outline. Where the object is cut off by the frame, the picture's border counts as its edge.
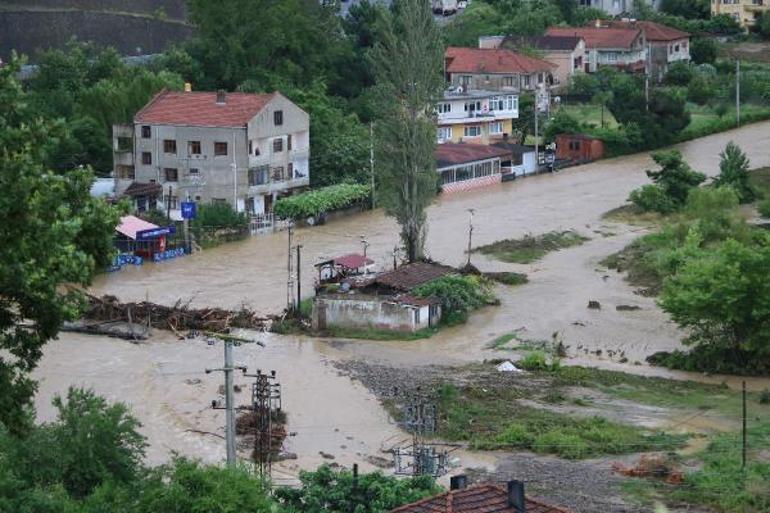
(363, 312)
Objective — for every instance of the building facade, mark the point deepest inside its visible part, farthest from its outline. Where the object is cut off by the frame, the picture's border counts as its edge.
(745, 12)
(469, 166)
(496, 69)
(665, 45)
(243, 149)
(480, 117)
(624, 48)
(616, 7)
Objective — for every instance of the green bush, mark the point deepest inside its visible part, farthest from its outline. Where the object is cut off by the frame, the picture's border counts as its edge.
(320, 201)
(672, 184)
(538, 361)
(219, 215)
(764, 208)
(567, 446)
(458, 294)
(652, 198)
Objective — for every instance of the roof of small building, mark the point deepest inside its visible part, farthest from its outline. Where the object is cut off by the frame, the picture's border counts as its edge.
(143, 189)
(515, 148)
(452, 154)
(584, 137)
(475, 499)
(492, 60)
(600, 37)
(200, 108)
(350, 261)
(652, 31)
(546, 42)
(409, 276)
(130, 225)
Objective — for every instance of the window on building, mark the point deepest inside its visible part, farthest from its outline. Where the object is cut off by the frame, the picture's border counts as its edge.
(496, 103)
(194, 147)
(496, 127)
(288, 142)
(169, 146)
(124, 172)
(172, 174)
(527, 80)
(194, 171)
(146, 158)
(277, 174)
(220, 149)
(290, 170)
(444, 133)
(612, 56)
(540, 78)
(277, 145)
(251, 146)
(472, 106)
(146, 132)
(447, 176)
(472, 131)
(482, 169)
(517, 159)
(463, 173)
(511, 102)
(444, 107)
(218, 200)
(278, 117)
(465, 80)
(125, 144)
(171, 202)
(509, 81)
(574, 145)
(258, 175)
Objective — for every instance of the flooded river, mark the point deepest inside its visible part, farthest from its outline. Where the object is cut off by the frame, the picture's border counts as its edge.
(328, 412)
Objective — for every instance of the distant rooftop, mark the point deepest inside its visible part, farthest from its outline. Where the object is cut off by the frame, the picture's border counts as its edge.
(452, 154)
(492, 60)
(552, 42)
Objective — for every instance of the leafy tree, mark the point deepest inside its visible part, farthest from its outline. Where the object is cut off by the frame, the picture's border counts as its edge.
(672, 183)
(679, 74)
(721, 297)
(691, 9)
(458, 294)
(734, 172)
(331, 491)
(763, 25)
(52, 234)
(90, 443)
(562, 123)
(408, 64)
(700, 90)
(703, 50)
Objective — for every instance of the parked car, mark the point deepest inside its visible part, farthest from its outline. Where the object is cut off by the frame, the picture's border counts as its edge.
(444, 7)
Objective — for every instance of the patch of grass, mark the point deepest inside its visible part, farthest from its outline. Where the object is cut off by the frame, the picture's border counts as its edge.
(378, 334)
(591, 114)
(633, 215)
(501, 341)
(508, 278)
(638, 261)
(531, 248)
(538, 361)
(494, 420)
(760, 179)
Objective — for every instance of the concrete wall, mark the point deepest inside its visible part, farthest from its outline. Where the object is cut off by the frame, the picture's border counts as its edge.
(363, 312)
(528, 165)
(28, 32)
(496, 81)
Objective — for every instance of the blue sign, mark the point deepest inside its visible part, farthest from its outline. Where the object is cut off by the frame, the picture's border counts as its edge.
(155, 232)
(168, 254)
(189, 210)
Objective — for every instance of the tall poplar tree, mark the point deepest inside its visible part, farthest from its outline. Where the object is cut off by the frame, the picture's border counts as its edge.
(408, 68)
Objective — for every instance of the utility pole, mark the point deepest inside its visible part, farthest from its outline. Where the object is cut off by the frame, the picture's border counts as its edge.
(371, 160)
(168, 204)
(743, 452)
(229, 398)
(265, 403)
(738, 92)
(289, 284)
(299, 279)
(470, 234)
(647, 93)
(395, 254)
(365, 244)
(537, 152)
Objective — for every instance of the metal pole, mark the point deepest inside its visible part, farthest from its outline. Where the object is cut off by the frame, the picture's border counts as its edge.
(743, 452)
(371, 159)
(738, 92)
(537, 153)
(168, 204)
(229, 404)
(470, 235)
(299, 278)
(646, 93)
(288, 270)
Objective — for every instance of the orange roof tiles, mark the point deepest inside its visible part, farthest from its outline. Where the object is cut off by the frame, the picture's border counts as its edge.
(600, 37)
(492, 60)
(653, 31)
(474, 499)
(201, 109)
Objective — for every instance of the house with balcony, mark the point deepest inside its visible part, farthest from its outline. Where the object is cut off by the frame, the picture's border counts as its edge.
(624, 48)
(617, 7)
(566, 52)
(480, 117)
(239, 148)
(496, 69)
(746, 12)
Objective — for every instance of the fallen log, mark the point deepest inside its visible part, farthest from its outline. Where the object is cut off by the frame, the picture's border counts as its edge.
(116, 329)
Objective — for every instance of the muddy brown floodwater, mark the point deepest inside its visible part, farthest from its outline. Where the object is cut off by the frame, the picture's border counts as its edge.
(328, 412)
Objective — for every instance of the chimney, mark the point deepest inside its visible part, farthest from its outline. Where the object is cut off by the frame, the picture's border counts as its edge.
(516, 496)
(221, 97)
(187, 87)
(458, 482)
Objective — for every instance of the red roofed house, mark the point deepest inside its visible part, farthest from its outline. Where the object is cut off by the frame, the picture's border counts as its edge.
(495, 69)
(665, 45)
(465, 166)
(622, 47)
(238, 148)
(480, 499)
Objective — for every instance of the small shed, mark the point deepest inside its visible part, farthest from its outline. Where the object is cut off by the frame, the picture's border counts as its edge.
(337, 268)
(522, 160)
(141, 238)
(578, 148)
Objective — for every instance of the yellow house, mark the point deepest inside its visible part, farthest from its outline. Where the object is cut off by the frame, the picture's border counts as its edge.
(745, 12)
(480, 117)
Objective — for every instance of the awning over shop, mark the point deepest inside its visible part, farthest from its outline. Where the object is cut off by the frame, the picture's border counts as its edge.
(131, 225)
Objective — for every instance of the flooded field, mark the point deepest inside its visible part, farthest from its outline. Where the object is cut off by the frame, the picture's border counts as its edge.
(163, 379)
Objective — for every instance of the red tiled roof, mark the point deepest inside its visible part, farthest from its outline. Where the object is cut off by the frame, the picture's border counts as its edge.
(413, 275)
(599, 37)
(653, 31)
(449, 154)
(353, 261)
(492, 60)
(475, 499)
(143, 189)
(201, 109)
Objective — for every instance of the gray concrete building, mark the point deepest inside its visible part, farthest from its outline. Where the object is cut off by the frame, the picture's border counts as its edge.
(243, 149)
(616, 7)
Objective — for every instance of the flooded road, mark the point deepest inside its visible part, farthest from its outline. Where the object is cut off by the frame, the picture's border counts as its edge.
(328, 411)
